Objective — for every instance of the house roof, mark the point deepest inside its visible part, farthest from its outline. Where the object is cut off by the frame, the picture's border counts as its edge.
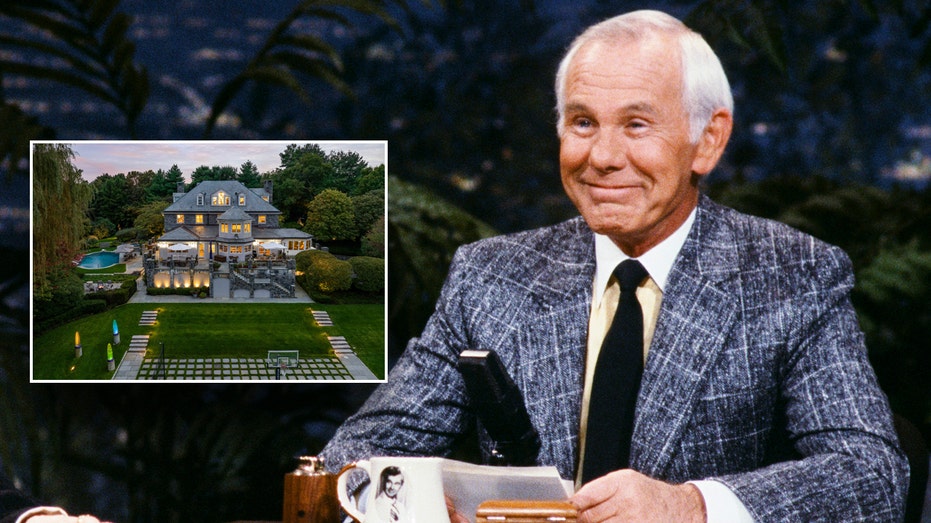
(209, 233)
(280, 234)
(235, 214)
(253, 200)
(178, 234)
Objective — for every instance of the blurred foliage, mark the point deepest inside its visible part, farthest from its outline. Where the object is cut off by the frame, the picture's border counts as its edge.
(423, 233)
(86, 46)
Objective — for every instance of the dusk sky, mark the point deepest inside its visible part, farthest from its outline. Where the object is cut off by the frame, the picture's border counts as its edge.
(95, 158)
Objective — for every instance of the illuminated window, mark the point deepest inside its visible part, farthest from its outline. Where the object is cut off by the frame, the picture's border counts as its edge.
(237, 227)
(180, 218)
(261, 218)
(247, 227)
(199, 219)
(224, 227)
(235, 249)
(242, 199)
(220, 198)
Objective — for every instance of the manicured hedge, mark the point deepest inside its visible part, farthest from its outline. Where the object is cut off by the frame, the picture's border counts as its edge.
(370, 273)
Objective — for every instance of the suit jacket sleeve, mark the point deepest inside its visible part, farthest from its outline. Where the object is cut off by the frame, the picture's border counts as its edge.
(421, 409)
(844, 463)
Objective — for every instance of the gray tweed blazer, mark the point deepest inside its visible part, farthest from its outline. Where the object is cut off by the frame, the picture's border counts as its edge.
(757, 375)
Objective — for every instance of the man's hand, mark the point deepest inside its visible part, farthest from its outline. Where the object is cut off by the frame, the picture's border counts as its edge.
(627, 495)
(454, 515)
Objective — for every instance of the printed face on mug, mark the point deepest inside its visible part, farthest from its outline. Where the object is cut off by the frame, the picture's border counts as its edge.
(403, 490)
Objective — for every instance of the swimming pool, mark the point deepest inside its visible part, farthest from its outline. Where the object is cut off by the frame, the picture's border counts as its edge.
(99, 260)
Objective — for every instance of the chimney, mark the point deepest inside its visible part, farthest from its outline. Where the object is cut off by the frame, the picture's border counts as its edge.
(268, 190)
(180, 187)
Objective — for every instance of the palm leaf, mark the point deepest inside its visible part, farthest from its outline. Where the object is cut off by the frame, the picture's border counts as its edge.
(287, 57)
(87, 37)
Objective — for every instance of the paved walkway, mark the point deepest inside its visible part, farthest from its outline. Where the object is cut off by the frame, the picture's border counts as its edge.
(342, 365)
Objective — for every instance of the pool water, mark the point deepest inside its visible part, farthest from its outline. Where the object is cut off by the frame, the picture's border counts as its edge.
(99, 260)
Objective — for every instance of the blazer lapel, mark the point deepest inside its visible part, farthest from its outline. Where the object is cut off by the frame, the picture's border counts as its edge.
(552, 338)
(697, 312)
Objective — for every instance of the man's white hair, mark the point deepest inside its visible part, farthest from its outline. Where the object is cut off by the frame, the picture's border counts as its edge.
(704, 84)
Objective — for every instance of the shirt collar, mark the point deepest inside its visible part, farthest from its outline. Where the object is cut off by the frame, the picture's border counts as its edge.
(657, 261)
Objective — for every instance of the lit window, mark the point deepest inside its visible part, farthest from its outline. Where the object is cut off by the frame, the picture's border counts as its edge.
(180, 218)
(224, 227)
(220, 198)
(242, 199)
(199, 219)
(247, 227)
(261, 218)
(237, 227)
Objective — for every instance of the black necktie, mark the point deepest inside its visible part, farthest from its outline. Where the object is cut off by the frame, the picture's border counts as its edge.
(617, 381)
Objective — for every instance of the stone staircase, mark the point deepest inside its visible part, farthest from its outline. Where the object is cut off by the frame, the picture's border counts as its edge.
(339, 344)
(148, 318)
(322, 318)
(139, 343)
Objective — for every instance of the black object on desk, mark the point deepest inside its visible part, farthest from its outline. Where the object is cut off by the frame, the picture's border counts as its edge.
(500, 408)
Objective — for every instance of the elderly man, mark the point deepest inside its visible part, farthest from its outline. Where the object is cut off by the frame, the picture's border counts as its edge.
(732, 383)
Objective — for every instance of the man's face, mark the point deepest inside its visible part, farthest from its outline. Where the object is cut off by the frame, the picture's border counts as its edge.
(625, 154)
(393, 485)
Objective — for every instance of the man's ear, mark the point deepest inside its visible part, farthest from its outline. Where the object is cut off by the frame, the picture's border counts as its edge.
(712, 142)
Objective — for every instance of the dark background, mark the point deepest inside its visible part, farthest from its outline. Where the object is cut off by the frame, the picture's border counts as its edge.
(833, 135)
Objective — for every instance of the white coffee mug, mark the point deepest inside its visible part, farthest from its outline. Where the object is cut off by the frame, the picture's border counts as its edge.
(402, 490)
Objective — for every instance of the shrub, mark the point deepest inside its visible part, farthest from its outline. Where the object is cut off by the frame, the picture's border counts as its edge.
(370, 273)
(127, 234)
(323, 272)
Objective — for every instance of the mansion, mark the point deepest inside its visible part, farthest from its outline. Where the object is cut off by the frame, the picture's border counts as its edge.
(227, 221)
(225, 236)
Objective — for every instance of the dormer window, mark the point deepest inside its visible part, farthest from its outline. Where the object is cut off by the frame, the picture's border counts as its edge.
(242, 199)
(200, 199)
(220, 198)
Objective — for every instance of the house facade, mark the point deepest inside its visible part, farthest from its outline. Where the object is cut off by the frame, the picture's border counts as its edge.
(225, 237)
(226, 221)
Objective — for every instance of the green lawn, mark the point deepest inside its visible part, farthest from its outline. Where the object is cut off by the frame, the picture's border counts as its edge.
(208, 330)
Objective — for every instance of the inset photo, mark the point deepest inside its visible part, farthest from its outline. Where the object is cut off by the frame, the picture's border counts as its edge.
(208, 261)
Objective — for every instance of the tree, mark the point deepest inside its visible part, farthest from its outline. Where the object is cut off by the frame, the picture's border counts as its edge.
(60, 201)
(367, 208)
(150, 220)
(330, 217)
(346, 167)
(249, 174)
(371, 179)
(102, 228)
(164, 184)
(373, 241)
(204, 173)
(301, 176)
(111, 200)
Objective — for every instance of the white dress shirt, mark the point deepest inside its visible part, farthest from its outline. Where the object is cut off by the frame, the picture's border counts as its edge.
(720, 502)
